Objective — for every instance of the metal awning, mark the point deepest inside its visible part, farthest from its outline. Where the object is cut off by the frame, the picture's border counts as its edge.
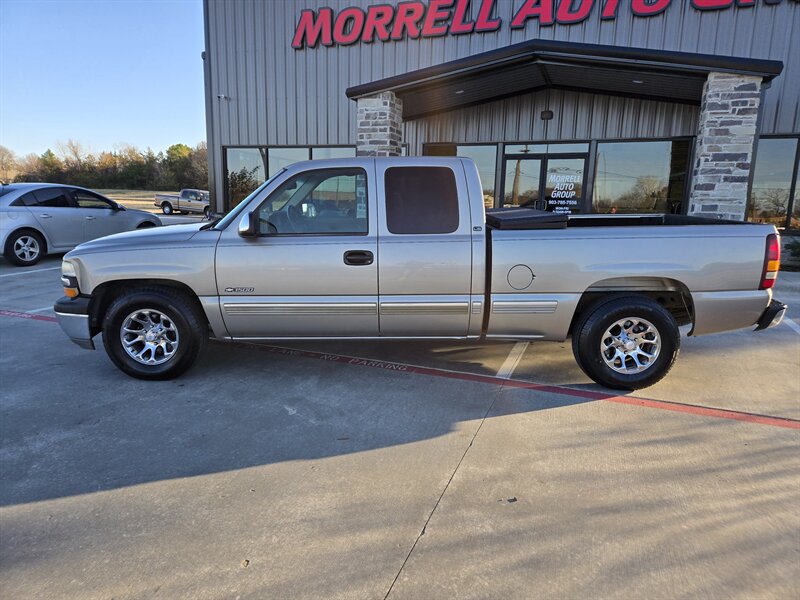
(540, 64)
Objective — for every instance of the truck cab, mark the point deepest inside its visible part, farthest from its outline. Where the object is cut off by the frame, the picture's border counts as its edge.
(310, 256)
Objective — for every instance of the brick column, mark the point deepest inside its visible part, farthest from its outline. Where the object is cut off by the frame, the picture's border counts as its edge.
(724, 150)
(380, 118)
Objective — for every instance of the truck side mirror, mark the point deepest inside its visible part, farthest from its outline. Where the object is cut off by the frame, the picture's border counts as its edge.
(248, 225)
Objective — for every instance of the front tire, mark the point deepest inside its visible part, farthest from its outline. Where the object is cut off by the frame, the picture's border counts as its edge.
(626, 343)
(154, 333)
(24, 248)
(166, 208)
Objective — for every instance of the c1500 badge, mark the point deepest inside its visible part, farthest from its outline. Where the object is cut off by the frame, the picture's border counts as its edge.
(239, 290)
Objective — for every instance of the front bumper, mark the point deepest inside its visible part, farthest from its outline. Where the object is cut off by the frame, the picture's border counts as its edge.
(73, 316)
(773, 315)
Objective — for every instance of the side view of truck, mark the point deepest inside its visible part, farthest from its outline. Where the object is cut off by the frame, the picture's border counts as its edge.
(399, 248)
(187, 201)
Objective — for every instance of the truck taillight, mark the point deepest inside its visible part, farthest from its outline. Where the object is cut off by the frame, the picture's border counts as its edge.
(772, 262)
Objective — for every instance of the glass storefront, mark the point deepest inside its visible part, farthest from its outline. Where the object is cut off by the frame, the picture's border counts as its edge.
(247, 168)
(641, 177)
(771, 196)
(548, 177)
(485, 157)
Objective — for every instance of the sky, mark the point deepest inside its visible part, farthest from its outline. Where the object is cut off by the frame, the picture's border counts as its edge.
(101, 72)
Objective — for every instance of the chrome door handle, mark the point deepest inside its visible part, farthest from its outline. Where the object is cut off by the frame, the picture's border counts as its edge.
(90, 218)
(46, 216)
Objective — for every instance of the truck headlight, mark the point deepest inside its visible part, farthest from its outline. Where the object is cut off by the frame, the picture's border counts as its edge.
(69, 277)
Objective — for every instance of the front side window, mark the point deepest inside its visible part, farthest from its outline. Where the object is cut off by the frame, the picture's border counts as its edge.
(53, 197)
(772, 181)
(88, 200)
(326, 201)
(421, 200)
(641, 177)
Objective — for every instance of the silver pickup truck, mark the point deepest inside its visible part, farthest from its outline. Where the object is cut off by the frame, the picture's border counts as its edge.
(402, 248)
(187, 201)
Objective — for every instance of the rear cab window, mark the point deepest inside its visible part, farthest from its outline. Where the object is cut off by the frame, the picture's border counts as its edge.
(421, 200)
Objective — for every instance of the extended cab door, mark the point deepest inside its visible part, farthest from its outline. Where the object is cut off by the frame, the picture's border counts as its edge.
(312, 270)
(424, 248)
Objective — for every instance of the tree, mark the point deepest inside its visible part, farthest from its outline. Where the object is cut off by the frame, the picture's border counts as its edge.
(8, 164)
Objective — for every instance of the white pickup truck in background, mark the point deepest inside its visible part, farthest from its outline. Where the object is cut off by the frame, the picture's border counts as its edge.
(188, 201)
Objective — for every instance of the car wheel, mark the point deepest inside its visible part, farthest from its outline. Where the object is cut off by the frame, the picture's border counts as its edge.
(207, 212)
(154, 333)
(166, 208)
(24, 248)
(626, 343)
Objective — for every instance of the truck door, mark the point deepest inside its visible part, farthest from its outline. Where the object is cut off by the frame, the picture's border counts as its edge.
(311, 271)
(424, 249)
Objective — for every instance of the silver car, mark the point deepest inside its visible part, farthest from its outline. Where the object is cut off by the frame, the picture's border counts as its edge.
(44, 218)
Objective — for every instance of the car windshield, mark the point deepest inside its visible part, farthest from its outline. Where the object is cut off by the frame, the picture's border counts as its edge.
(239, 208)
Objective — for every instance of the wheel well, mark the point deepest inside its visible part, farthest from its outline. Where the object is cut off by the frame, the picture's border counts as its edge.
(104, 294)
(165, 202)
(145, 225)
(669, 293)
(32, 230)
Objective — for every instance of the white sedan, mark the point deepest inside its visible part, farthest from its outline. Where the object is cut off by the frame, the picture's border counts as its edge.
(45, 218)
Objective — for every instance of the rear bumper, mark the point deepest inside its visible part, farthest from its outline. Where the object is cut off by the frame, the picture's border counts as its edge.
(73, 316)
(772, 316)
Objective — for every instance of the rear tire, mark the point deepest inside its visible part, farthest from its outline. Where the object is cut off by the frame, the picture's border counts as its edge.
(207, 212)
(626, 343)
(154, 333)
(24, 248)
(166, 208)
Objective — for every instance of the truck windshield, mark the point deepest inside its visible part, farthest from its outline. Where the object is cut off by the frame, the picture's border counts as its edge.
(239, 208)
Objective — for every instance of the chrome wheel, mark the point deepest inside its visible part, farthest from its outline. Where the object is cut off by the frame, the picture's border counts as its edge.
(630, 345)
(26, 248)
(149, 336)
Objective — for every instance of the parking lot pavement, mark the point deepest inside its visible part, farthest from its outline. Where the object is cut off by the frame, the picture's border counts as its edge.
(267, 473)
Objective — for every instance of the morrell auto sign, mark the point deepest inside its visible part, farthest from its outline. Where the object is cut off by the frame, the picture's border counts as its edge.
(417, 19)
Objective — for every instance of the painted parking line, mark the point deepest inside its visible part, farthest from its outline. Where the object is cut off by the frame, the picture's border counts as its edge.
(511, 362)
(792, 324)
(588, 395)
(31, 271)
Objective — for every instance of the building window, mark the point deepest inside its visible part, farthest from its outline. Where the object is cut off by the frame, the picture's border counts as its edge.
(245, 171)
(641, 177)
(485, 157)
(247, 168)
(771, 194)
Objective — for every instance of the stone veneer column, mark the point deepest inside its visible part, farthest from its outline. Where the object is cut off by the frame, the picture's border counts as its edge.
(380, 119)
(724, 150)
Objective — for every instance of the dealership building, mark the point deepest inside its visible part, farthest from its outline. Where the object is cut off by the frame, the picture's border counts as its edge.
(581, 106)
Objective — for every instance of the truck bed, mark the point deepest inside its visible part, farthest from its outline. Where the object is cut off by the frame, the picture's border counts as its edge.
(528, 219)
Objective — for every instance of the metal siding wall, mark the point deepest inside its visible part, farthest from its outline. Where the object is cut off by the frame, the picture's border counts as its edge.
(281, 96)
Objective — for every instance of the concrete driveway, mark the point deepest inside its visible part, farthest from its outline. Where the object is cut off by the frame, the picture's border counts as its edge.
(394, 470)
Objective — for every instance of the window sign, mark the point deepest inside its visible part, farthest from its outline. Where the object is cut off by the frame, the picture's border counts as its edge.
(564, 186)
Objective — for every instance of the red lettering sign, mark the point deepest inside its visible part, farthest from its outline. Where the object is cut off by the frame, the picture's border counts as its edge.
(435, 18)
(312, 27)
(533, 9)
(348, 27)
(378, 21)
